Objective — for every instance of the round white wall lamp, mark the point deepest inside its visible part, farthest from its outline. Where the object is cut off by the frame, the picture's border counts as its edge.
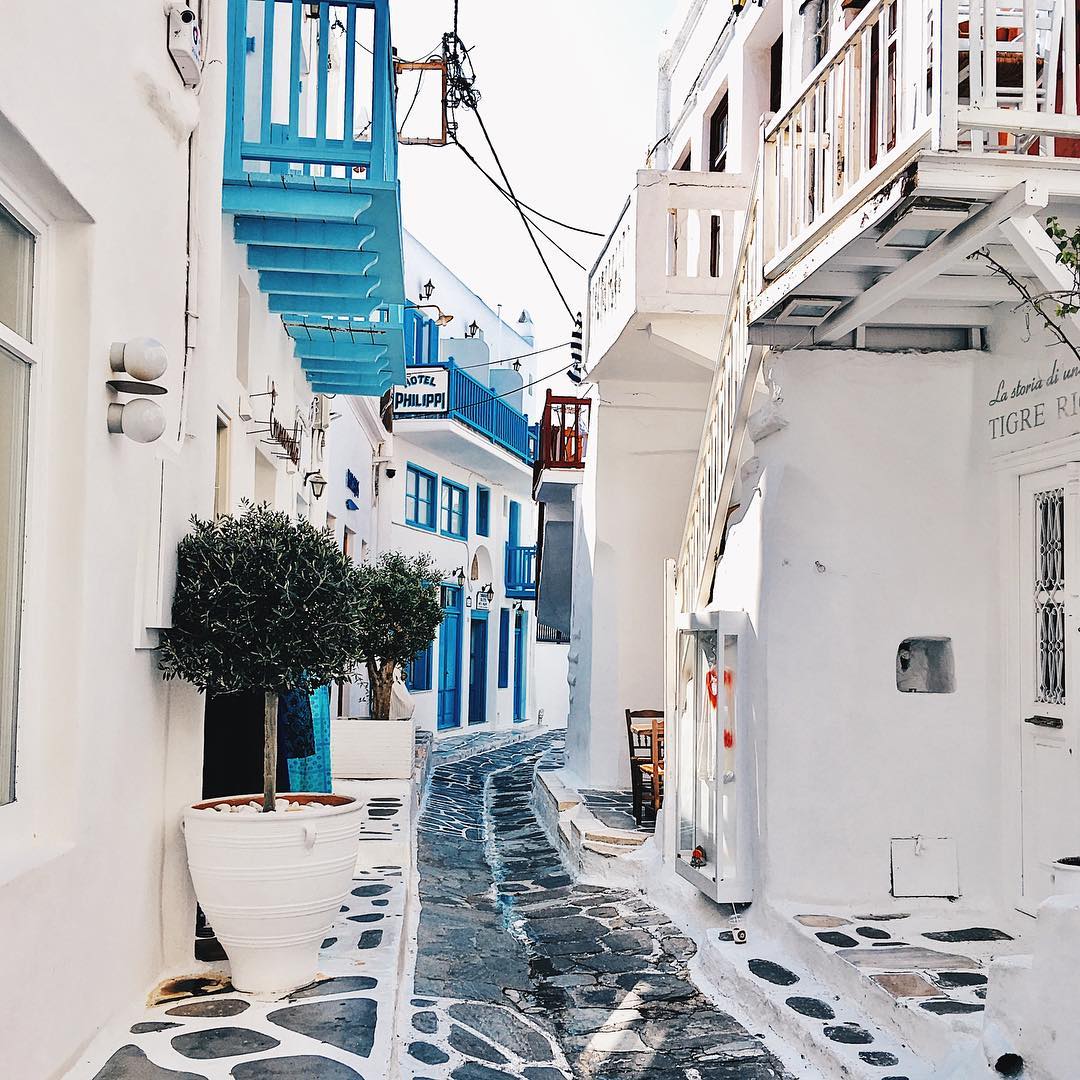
(141, 420)
(143, 358)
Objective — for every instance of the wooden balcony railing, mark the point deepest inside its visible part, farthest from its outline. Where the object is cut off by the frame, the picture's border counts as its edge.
(564, 433)
(978, 76)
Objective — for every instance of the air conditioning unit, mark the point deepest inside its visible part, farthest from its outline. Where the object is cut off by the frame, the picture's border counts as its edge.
(185, 44)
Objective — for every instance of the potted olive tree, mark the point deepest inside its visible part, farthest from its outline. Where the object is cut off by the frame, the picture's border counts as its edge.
(400, 615)
(270, 604)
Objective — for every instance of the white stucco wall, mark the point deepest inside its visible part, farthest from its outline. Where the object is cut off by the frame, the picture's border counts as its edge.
(628, 520)
(874, 529)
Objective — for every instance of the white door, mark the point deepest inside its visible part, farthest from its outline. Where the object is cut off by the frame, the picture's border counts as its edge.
(1049, 579)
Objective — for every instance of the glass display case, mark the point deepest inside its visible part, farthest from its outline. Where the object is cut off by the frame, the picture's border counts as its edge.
(714, 756)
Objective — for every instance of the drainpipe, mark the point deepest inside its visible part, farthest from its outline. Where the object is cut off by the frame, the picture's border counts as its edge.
(810, 10)
(663, 113)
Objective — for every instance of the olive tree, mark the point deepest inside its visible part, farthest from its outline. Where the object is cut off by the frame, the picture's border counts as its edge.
(401, 612)
(263, 602)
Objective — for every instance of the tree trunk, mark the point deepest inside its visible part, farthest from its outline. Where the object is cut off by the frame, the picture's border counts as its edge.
(270, 709)
(381, 683)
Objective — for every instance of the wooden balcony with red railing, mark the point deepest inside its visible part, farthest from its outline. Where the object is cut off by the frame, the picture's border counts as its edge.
(564, 435)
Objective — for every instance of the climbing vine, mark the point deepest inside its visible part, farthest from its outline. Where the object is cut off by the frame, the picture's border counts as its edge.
(1049, 306)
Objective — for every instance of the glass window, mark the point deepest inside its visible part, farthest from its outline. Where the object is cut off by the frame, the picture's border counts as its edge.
(483, 511)
(16, 274)
(718, 137)
(455, 502)
(420, 498)
(14, 420)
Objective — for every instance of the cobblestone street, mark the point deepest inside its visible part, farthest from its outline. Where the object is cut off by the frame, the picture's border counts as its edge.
(522, 974)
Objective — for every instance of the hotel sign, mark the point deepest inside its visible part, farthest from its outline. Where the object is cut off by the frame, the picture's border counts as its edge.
(425, 393)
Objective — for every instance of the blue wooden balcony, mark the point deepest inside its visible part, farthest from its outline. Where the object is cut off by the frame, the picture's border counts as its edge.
(521, 572)
(310, 176)
(474, 404)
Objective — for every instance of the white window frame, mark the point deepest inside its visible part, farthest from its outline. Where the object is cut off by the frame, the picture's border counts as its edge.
(25, 839)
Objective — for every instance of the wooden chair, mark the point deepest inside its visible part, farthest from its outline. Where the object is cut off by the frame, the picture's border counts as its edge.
(645, 741)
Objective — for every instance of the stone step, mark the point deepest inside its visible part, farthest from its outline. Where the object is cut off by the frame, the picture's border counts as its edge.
(831, 1032)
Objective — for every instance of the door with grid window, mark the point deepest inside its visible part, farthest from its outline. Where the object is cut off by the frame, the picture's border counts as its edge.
(1049, 577)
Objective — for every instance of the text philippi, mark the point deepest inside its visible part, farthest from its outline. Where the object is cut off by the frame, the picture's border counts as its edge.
(1029, 417)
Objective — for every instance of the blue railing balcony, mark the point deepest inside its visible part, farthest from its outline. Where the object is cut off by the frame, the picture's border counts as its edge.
(521, 572)
(471, 403)
(474, 403)
(310, 176)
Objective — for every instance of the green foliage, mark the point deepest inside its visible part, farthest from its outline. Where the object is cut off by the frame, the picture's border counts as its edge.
(401, 610)
(263, 602)
(1068, 245)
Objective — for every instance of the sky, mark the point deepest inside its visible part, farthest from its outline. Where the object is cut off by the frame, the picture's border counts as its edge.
(568, 95)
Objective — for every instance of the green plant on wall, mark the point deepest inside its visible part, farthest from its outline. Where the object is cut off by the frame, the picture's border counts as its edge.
(1051, 305)
(267, 603)
(401, 613)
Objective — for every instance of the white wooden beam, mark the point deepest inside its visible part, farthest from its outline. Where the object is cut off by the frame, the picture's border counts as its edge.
(1023, 200)
(1040, 253)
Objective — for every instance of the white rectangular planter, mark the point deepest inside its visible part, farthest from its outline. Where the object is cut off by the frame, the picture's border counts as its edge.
(371, 749)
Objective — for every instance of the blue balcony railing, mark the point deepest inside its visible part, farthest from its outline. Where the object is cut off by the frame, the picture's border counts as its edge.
(311, 178)
(472, 402)
(521, 572)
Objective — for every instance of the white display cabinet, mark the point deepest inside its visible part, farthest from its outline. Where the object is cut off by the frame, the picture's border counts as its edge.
(713, 765)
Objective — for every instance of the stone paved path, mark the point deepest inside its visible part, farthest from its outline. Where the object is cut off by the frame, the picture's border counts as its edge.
(522, 974)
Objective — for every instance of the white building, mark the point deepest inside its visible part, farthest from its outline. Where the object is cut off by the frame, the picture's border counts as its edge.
(452, 477)
(112, 229)
(847, 449)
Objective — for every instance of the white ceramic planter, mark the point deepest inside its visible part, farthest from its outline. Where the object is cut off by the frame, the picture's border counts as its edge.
(272, 884)
(1064, 879)
(372, 749)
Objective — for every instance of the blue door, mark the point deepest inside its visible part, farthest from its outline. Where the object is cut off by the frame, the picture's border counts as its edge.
(521, 640)
(478, 650)
(449, 715)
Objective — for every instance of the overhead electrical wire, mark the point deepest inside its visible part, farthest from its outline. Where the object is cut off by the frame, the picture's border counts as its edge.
(412, 104)
(535, 382)
(506, 195)
(532, 209)
(524, 220)
(512, 359)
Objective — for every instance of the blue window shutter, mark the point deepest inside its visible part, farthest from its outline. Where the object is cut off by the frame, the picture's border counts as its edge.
(410, 335)
(504, 648)
(483, 511)
(515, 524)
(433, 341)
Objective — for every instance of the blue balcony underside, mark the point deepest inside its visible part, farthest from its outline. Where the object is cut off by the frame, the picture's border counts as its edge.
(320, 213)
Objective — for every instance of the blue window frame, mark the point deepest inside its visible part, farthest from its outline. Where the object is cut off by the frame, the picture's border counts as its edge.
(432, 341)
(504, 648)
(418, 671)
(454, 519)
(420, 498)
(483, 511)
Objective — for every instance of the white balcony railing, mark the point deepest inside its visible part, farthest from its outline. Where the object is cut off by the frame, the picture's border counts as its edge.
(729, 400)
(978, 76)
(672, 252)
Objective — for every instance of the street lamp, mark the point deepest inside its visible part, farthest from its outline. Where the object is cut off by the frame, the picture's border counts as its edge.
(488, 592)
(461, 577)
(440, 320)
(473, 329)
(427, 289)
(317, 482)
